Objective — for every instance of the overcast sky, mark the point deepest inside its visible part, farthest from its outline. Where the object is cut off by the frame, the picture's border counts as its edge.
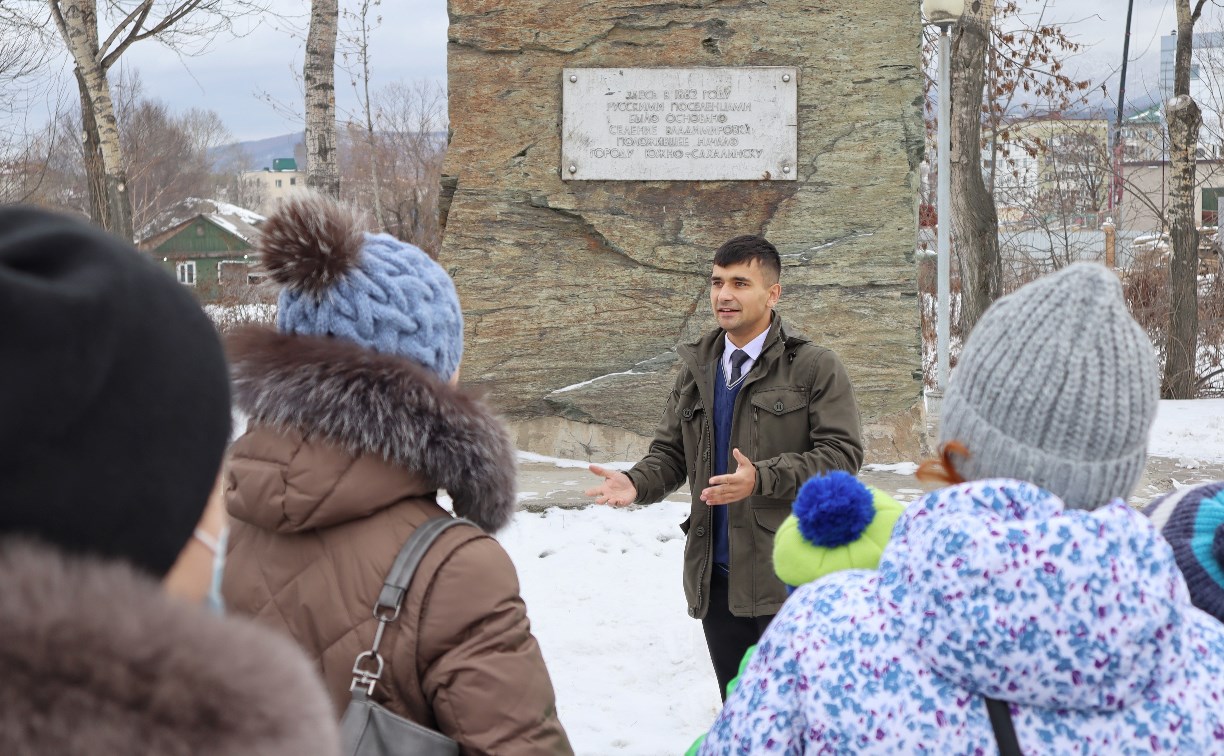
(411, 44)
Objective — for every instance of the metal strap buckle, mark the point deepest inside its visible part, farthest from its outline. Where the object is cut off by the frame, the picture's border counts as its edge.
(380, 613)
(366, 677)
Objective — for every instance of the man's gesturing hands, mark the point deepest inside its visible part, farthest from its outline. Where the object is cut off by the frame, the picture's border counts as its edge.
(618, 491)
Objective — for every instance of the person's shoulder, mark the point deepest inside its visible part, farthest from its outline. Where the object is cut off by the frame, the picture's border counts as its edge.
(845, 598)
(803, 355)
(795, 340)
(470, 555)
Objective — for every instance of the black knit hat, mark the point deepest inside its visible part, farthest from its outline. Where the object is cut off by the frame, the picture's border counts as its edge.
(114, 395)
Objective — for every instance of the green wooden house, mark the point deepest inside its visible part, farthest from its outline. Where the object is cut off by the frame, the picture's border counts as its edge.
(209, 246)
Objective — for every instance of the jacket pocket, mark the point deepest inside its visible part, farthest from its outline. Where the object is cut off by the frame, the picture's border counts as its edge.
(780, 401)
(769, 518)
(767, 588)
(779, 421)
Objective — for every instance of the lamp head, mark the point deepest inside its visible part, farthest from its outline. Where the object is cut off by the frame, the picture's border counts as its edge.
(943, 11)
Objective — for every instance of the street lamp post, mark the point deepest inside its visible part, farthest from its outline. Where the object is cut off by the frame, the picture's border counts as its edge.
(943, 13)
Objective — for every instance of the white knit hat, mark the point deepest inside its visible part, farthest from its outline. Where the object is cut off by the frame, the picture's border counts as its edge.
(1057, 386)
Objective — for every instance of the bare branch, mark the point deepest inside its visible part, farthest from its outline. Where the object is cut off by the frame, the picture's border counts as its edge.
(136, 17)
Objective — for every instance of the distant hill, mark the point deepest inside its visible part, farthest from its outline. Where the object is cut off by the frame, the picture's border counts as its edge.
(256, 154)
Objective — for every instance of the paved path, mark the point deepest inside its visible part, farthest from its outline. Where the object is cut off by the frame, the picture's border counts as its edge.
(544, 484)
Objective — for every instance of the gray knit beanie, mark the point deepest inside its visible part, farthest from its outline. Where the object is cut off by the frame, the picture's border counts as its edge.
(1057, 386)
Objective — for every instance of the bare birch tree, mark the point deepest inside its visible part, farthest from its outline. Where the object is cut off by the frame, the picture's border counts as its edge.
(319, 74)
(1185, 119)
(96, 34)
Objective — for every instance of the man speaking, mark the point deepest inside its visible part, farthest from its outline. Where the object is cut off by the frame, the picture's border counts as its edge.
(755, 412)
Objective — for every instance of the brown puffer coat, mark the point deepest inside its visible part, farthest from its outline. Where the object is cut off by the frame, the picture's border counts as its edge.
(340, 463)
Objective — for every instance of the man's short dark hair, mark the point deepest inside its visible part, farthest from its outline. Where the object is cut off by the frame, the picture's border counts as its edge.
(747, 248)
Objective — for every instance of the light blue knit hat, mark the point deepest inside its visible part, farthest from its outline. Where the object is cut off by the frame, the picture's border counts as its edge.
(371, 289)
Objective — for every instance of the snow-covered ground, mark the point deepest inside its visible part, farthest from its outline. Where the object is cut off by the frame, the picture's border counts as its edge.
(1191, 429)
(603, 591)
(602, 587)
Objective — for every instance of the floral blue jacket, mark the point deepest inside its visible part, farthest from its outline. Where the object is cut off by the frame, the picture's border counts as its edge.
(1080, 620)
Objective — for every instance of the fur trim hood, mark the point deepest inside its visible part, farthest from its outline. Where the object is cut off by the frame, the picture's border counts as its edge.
(97, 659)
(380, 405)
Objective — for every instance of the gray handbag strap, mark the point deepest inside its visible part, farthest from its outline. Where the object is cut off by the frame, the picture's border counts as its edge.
(368, 667)
(409, 557)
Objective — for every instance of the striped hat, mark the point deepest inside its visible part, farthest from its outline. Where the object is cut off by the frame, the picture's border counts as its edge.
(1192, 521)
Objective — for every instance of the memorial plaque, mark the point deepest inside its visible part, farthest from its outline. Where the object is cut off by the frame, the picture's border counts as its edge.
(679, 124)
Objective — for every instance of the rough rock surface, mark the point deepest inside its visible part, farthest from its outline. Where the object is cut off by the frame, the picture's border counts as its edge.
(565, 282)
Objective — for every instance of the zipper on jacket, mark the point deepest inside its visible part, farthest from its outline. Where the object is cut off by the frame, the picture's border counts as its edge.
(756, 373)
(756, 431)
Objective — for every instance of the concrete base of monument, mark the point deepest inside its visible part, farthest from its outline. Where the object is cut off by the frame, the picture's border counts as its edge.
(554, 436)
(892, 438)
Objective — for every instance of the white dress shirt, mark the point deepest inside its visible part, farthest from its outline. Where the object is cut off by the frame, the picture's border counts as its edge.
(752, 349)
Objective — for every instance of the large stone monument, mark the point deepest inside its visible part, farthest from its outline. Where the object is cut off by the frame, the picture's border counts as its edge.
(580, 272)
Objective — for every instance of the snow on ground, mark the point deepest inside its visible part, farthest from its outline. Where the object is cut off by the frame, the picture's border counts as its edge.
(524, 456)
(900, 468)
(603, 592)
(1191, 430)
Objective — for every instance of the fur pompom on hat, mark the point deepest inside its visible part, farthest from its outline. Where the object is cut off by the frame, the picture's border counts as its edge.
(1057, 385)
(837, 524)
(114, 396)
(1192, 521)
(370, 289)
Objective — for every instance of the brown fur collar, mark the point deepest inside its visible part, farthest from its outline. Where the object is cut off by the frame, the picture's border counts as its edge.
(371, 403)
(96, 659)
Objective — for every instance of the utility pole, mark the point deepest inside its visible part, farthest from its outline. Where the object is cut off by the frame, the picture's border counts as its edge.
(1115, 196)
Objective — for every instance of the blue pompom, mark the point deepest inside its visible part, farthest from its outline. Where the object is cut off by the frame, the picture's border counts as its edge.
(833, 509)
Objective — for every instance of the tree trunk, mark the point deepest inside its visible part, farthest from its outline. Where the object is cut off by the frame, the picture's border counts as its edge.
(78, 24)
(319, 73)
(91, 151)
(975, 225)
(1181, 345)
(1184, 119)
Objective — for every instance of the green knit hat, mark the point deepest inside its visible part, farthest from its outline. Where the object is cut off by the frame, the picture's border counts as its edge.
(837, 523)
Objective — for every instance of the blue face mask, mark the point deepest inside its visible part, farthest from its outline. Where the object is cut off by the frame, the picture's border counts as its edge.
(217, 546)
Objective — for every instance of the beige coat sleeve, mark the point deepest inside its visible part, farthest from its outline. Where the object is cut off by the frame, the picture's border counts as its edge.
(481, 668)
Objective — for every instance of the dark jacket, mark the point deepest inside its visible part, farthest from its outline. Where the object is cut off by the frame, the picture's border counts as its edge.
(794, 417)
(341, 462)
(96, 659)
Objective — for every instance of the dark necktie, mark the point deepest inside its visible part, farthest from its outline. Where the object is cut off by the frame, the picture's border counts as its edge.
(738, 358)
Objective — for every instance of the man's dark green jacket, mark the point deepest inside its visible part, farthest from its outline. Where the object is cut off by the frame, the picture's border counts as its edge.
(795, 417)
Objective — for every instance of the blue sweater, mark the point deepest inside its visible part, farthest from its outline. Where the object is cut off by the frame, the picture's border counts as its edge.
(724, 414)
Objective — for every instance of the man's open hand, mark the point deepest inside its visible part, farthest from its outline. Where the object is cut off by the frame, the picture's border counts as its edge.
(616, 489)
(735, 486)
